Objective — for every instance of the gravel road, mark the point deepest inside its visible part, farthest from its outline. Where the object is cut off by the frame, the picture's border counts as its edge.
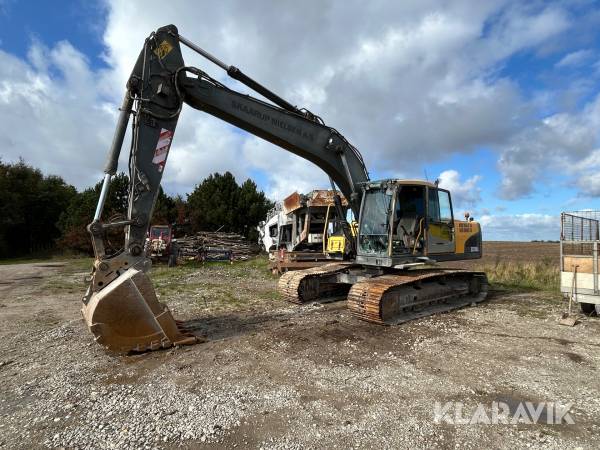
(276, 376)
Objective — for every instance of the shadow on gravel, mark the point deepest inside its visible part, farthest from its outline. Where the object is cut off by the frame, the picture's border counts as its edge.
(318, 322)
(323, 322)
(329, 323)
(326, 323)
(235, 324)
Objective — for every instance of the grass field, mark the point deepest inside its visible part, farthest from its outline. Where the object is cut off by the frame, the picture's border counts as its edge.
(509, 265)
(519, 265)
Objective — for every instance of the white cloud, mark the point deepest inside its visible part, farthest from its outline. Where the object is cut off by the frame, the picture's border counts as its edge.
(587, 173)
(465, 193)
(285, 172)
(563, 144)
(589, 183)
(407, 82)
(520, 227)
(211, 146)
(576, 58)
(410, 60)
(52, 113)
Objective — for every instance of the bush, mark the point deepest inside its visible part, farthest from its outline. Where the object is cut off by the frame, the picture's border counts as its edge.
(80, 212)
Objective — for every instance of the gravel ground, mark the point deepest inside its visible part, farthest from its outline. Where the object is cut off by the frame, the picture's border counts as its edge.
(277, 376)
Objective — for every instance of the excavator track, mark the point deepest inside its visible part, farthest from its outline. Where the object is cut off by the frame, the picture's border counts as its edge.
(309, 285)
(397, 298)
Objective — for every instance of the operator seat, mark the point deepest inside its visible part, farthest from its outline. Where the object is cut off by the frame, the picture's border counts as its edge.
(407, 227)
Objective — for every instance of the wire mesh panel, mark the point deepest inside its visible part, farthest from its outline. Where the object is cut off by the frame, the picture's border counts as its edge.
(579, 231)
(577, 248)
(580, 226)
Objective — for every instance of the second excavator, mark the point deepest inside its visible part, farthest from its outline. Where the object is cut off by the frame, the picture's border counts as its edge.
(404, 226)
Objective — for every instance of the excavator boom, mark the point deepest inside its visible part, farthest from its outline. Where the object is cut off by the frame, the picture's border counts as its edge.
(120, 306)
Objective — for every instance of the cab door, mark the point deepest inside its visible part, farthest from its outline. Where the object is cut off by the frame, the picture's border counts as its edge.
(440, 222)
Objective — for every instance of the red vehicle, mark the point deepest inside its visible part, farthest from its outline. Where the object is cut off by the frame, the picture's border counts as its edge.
(161, 245)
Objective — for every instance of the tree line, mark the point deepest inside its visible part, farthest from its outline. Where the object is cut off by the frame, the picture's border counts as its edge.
(43, 213)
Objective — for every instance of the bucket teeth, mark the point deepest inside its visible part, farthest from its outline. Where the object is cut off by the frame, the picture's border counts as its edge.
(126, 316)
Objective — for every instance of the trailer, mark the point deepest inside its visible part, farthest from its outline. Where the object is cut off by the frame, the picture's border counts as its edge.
(579, 242)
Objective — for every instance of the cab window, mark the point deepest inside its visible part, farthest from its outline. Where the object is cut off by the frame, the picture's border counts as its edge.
(445, 207)
(433, 212)
(158, 232)
(440, 209)
(273, 231)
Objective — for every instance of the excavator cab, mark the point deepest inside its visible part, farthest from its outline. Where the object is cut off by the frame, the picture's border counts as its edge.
(392, 222)
(403, 221)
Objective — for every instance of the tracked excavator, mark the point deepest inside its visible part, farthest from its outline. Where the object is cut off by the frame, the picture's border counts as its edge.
(404, 226)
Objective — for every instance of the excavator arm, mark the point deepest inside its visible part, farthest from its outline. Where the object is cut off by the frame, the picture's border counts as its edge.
(120, 306)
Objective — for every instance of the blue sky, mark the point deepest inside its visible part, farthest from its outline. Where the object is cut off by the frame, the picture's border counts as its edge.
(77, 21)
(499, 100)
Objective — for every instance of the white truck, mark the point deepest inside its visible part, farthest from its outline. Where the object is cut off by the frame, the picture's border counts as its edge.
(272, 231)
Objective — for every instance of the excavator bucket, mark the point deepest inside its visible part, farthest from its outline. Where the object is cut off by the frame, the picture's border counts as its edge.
(126, 316)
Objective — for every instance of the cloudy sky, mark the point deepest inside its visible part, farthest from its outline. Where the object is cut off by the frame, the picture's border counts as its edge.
(500, 100)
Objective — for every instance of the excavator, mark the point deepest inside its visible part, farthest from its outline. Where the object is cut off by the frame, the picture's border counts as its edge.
(390, 274)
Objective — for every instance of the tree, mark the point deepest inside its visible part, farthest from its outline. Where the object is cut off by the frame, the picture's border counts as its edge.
(252, 207)
(30, 207)
(181, 210)
(212, 203)
(219, 203)
(38, 211)
(165, 209)
(80, 212)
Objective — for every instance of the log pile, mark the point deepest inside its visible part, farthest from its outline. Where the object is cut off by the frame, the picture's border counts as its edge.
(208, 245)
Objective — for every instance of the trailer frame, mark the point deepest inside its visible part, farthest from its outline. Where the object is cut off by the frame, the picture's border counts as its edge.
(579, 239)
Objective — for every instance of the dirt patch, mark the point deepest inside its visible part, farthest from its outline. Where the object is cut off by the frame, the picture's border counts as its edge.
(273, 375)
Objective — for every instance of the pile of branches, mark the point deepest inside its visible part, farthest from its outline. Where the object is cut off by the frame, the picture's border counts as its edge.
(206, 245)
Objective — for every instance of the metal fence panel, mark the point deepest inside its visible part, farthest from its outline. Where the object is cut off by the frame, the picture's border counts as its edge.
(578, 226)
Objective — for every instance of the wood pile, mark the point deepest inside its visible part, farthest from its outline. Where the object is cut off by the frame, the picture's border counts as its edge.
(207, 245)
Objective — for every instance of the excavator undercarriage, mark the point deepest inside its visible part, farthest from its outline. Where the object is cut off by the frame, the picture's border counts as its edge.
(386, 298)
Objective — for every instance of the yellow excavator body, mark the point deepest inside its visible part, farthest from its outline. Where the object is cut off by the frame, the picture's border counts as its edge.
(466, 233)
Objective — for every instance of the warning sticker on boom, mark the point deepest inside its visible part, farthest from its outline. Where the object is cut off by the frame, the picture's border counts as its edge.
(163, 49)
(162, 148)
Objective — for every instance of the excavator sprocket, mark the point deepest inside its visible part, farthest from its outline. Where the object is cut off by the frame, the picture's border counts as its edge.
(126, 316)
(396, 298)
(309, 285)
